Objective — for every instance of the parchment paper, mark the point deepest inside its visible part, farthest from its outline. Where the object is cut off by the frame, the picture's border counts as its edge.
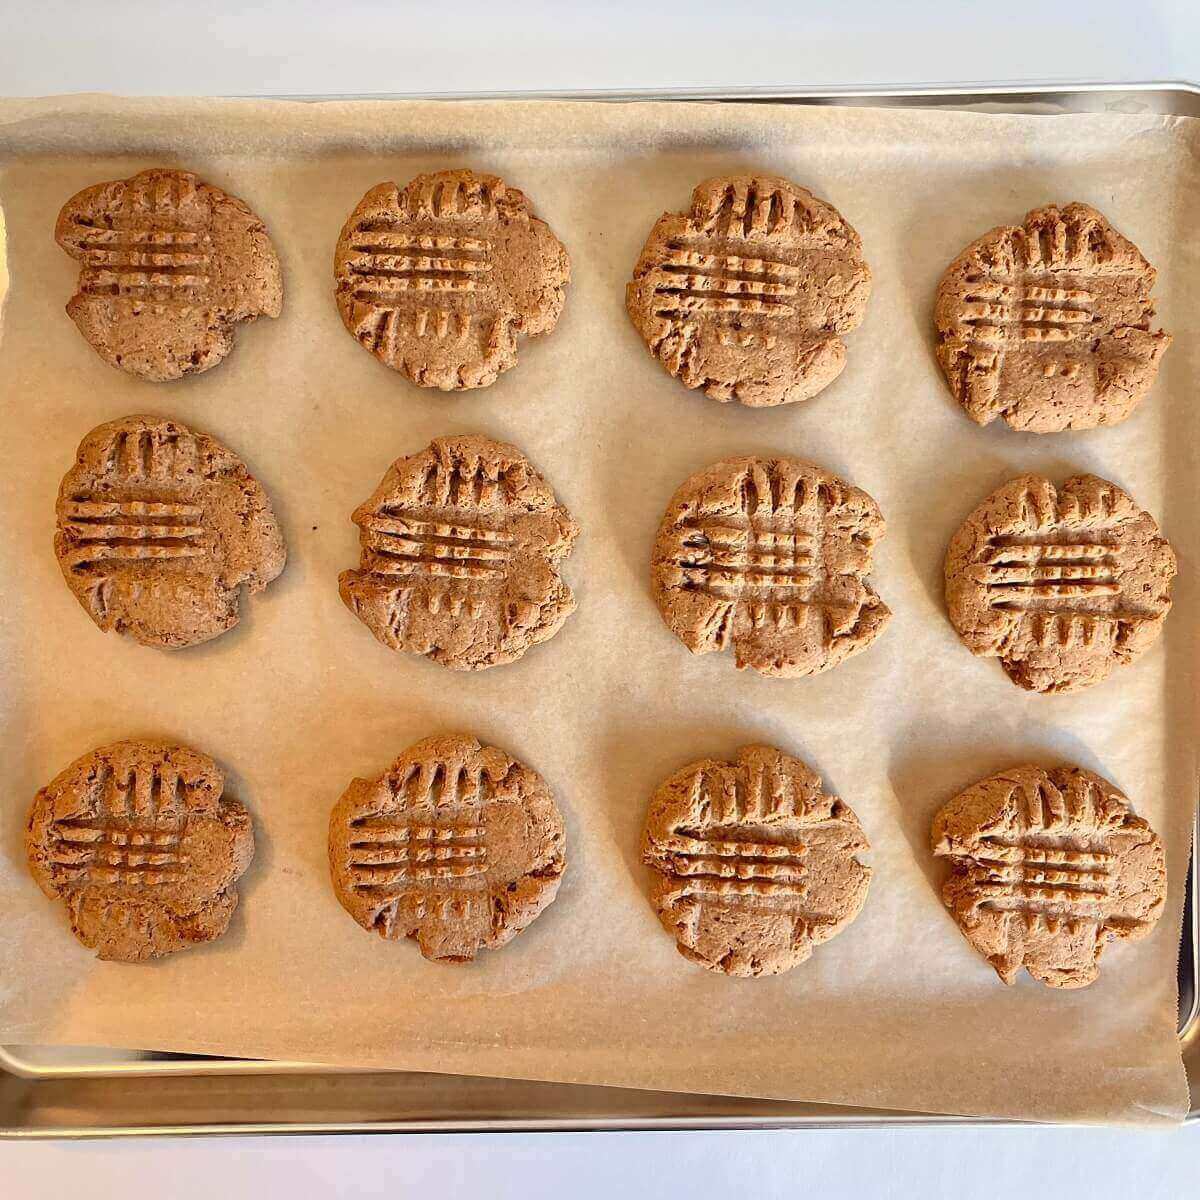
(897, 1011)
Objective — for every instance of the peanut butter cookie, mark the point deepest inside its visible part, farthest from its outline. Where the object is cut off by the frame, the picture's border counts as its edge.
(754, 864)
(457, 845)
(748, 293)
(1047, 324)
(169, 266)
(769, 556)
(440, 278)
(460, 551)
(1060, 585)
(140, 844)
(159, 527)
(1047, 868)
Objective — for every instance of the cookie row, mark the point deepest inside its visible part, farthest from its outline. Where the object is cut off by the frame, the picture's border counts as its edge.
(746, 295)
(769, 556)
(160, 527)
(460, 847)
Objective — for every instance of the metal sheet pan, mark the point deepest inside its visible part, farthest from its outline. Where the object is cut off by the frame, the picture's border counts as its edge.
(60, 1091)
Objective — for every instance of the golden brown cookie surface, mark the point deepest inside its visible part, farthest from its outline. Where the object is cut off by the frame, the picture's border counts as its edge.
(140, 844)
(754, 864)
(440, 278)
(169, 266)
(748, 293)
(769, 556)
(159, 527)
(1047, 868)
(1060, 584)
(457, 846)
(1048, 323)
(460, 547)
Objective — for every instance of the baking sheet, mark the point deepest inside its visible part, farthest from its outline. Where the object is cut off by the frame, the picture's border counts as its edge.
(897, 1011)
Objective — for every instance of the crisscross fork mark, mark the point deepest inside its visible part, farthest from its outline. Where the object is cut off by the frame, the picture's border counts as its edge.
(390, 261)
(389, 856)
(730, 559)
(1043, 885)
(1085, 872)
(115, 532)
(451, 539)
(756, 570)
(99, 852)
(1034, 571)
(398, 543)
(146, 264)
(697, 282)
(998, 310)
(703, 858)
(135, 837)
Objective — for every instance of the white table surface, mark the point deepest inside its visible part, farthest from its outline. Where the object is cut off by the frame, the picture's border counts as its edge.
(340, 46)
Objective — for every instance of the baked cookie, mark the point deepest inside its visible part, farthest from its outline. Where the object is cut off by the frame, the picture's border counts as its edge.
(748, 293)
(141, 846)
(460, 549)
(438, 279)
(1061, 586)
(458, 846)
(1047, 868)
(754, 864)
(158, 529)
(169, 265)
(769, 555)
(1047, 324)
